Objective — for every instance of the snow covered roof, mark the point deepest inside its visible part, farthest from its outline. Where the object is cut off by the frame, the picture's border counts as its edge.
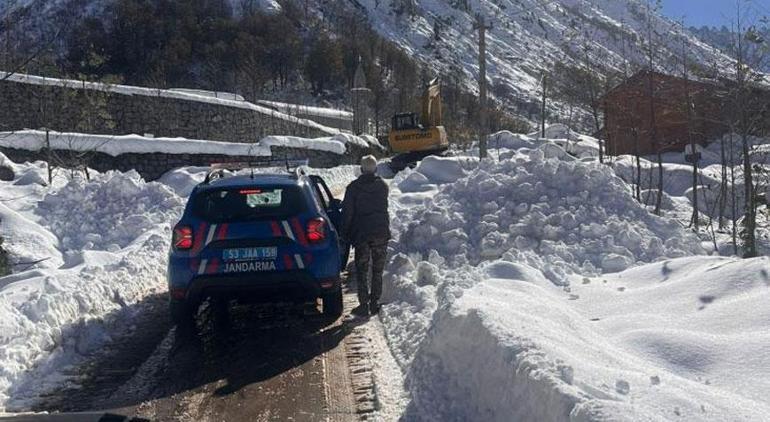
(179, 94)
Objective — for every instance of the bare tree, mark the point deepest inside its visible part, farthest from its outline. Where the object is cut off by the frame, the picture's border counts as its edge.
(653, 6)
(694, 155)
(748, 116)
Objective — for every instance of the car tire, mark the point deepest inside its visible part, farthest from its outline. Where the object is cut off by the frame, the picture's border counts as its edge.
(344, 256)
(182, 314)
(332, 303)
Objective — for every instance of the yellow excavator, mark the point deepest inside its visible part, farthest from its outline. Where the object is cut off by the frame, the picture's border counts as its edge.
(411, 138)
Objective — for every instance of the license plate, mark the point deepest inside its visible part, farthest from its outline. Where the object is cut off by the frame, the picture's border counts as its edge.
(238, 254)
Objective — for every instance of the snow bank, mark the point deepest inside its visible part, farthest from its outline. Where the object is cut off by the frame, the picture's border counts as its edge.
(214, 94)
(35, 140)
(182, 180)
(107, 213)
(432, 171)
(679, 339)
(372, 141)
(559, 215)
(28, 242)
(577, 145)
(562, 215)
(320, 144)
(481, 291)
(112, 233)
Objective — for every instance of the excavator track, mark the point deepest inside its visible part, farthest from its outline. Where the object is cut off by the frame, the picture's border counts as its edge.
(410, 159)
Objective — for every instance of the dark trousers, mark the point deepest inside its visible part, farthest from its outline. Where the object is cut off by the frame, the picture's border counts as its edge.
(370, 253)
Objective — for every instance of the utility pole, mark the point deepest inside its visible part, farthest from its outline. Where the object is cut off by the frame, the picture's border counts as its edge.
(482, 27)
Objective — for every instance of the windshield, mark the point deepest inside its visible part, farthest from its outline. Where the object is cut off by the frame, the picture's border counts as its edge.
(239, 204)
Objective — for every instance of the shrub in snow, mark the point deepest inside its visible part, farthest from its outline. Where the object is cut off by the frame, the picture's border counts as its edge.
(5, 264)
(6, 173)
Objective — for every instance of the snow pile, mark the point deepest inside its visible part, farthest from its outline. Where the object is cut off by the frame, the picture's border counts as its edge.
(102, 244)
(28, 242)
(432, 171)
(372, 141)
(182, 180)
(558, 214)
(321, 144)
(114, 145)
(487, 285)
(108, 212)
(682, 339)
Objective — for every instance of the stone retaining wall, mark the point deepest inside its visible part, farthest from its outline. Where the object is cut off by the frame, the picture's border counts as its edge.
(72, 109)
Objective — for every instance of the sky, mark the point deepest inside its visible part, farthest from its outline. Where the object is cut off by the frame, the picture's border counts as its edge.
(708, 12)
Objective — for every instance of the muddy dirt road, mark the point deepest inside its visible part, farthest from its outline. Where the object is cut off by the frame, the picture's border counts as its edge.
(258, 363)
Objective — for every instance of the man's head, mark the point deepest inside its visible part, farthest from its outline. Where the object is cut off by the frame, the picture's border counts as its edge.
(368, 164)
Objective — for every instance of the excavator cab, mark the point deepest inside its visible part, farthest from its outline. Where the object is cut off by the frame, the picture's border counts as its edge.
(424, 135)
(405, 121)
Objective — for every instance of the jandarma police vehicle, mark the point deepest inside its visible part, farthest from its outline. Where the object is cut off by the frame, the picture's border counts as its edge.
(257, 237)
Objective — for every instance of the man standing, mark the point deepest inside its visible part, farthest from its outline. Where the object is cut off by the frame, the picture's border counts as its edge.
(366, 225)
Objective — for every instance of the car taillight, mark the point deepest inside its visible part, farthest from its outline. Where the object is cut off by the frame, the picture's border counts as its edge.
(316, 230)
(183, 237)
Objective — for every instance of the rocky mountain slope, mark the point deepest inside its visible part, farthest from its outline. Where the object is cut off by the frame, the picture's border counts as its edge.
(528, 37)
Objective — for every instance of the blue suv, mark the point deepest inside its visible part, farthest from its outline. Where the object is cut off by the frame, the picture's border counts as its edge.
(257, 237)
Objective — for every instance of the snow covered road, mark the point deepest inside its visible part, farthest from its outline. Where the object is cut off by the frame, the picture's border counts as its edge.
(261, 363)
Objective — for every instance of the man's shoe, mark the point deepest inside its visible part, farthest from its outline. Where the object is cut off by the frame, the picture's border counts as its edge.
(374, 308)
(360, 310)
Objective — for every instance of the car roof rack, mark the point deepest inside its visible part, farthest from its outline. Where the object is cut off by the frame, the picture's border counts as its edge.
(294, 166)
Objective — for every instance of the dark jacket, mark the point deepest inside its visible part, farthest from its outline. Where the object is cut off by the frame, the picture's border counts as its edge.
(365, 210)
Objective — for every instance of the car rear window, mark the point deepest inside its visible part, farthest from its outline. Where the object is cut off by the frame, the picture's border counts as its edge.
(240, 204)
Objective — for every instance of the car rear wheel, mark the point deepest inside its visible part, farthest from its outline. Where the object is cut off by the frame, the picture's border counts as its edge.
(332, 303)
(182, 314)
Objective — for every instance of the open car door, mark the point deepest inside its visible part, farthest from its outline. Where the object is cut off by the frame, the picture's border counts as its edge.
(333, 208)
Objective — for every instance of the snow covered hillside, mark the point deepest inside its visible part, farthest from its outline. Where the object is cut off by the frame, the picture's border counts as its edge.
(528, 36)
(535, 287)
(525, 40)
